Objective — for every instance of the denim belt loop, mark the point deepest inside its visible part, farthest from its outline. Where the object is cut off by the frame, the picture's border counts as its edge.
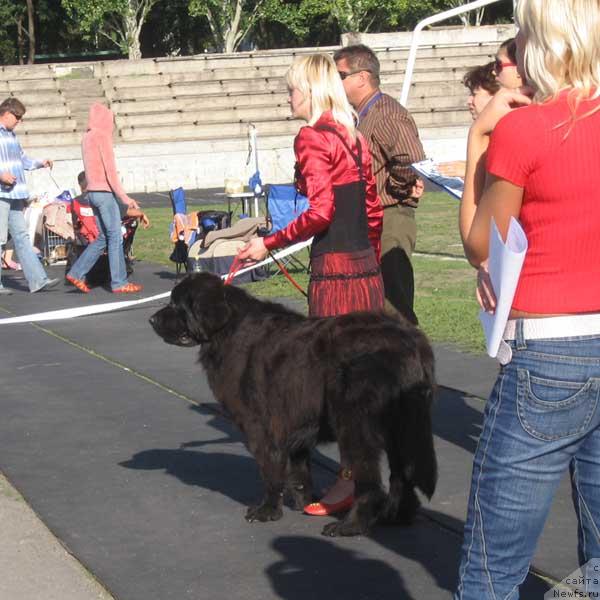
(520, 342)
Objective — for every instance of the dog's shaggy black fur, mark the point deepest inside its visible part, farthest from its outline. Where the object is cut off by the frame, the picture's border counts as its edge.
(290, 382)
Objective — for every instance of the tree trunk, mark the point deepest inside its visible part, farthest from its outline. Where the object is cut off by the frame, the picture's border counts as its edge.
(132, 34)
(20, 39)
(31, 31)
(134, 49)
(479, 14)
(232, 34)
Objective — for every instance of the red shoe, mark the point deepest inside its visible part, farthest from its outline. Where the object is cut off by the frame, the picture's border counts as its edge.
(82, 286)
(129, 288)
(323, 509)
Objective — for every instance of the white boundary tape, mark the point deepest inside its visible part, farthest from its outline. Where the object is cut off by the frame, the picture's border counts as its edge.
(96, 309)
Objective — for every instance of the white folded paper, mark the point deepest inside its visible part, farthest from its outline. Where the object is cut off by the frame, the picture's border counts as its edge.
(504, 265)
(428, 168)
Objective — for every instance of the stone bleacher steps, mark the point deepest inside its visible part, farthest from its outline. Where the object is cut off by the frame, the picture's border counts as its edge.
(214, 97)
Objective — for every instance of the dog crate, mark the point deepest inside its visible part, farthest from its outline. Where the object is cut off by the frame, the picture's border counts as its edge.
(54, 248)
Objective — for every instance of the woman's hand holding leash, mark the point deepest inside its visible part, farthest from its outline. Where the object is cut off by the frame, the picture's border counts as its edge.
(253, 251)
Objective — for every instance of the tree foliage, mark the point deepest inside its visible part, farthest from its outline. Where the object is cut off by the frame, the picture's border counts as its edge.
(230, 21)
(181, 27)
(120, 21)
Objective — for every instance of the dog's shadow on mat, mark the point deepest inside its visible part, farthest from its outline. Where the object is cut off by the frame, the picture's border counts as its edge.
(319, 569)
(204, 469)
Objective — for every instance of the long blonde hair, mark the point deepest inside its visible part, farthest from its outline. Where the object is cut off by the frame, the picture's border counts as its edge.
(562, 49)
(316, 77)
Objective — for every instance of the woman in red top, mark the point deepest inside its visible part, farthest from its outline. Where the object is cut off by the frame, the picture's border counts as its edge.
(345, 216)
(543, 416)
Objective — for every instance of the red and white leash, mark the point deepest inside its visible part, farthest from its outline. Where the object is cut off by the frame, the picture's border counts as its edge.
(237, 265)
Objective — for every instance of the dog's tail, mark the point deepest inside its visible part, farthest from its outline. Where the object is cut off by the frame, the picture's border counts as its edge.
(410, 450)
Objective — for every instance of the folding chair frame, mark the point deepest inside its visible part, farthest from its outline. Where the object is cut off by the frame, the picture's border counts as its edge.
(292, 260)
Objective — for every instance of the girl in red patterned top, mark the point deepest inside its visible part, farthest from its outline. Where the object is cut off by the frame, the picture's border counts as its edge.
(345, 216)
(543, 416)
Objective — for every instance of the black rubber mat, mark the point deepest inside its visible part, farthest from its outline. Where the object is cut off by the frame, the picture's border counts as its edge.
(115, 440)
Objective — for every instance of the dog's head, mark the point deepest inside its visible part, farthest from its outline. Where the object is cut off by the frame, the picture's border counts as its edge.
(197, 310)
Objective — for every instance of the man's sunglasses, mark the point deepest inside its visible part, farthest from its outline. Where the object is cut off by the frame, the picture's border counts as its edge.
(344, 74)
(500, 64)
(17, 117)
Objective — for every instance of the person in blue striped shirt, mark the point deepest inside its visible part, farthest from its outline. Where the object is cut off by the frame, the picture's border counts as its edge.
(13, 195)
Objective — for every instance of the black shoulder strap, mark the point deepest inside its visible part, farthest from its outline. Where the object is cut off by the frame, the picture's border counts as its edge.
(357, 157)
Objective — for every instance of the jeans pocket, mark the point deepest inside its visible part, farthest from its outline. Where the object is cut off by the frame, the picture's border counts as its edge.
(551, 409)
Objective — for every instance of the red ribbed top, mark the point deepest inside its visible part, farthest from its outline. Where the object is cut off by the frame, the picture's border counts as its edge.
(560, 213)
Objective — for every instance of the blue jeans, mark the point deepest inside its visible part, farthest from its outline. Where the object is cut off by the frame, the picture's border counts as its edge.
(541, 419)
(13, 221)
(108, 219)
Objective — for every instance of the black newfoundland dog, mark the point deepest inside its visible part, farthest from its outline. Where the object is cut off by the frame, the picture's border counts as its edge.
(290, 382)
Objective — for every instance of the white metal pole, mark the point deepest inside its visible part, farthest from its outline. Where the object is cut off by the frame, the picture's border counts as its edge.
(254, 146)
(412, 55)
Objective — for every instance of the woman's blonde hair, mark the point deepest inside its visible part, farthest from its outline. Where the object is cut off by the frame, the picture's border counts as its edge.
(562, 49)
(316, 77)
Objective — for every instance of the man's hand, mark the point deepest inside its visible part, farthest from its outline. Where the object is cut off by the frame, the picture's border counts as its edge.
(417, 189)
(7, 178)
(131, 203)
(145, 221)
(454, 168)
(47, 163)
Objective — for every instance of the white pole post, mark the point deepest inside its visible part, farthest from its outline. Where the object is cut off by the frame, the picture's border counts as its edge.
(257, 191)
(412, 55)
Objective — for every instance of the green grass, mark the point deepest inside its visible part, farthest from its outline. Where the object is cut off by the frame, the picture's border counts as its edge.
(444, 283)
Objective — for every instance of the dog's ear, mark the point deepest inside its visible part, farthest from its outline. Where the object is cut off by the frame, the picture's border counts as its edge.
(208, 310)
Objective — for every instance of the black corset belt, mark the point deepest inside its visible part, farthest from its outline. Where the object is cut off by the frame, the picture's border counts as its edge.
(342, 276)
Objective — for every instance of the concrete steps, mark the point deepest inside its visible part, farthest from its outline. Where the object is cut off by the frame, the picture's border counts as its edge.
(23, 72)
(191, 103)
(47, 124)
(138, 82)
(53, 139)
(46, 111)
(268, 120)
(217, 95)
(42, 97)
(241, 60)
(272, 77)
(15, 87)
(193, 88)
(79, 95)
(245, 114)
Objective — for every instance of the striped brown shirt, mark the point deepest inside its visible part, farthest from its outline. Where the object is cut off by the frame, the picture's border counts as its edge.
(394, 142)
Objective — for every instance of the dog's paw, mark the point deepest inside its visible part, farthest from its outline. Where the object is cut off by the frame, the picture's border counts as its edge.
(343, 528)
(263, 513)
(299, 498)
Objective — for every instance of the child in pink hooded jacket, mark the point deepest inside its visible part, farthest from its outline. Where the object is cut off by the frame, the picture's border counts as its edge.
(103, 187)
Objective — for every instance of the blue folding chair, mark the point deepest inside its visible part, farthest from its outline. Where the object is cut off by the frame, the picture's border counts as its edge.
(284, 204)
(178, 202)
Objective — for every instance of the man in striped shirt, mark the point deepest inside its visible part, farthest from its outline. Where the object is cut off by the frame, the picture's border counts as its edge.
(13, 194)
(394, 143)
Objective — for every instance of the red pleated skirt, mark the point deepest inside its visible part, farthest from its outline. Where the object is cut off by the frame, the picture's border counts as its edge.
(344, 282)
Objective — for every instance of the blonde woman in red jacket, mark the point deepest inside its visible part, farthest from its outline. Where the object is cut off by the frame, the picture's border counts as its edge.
(345, 216)
(104, 188)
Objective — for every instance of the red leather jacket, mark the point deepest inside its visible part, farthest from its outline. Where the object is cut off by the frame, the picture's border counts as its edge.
(323, 162)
